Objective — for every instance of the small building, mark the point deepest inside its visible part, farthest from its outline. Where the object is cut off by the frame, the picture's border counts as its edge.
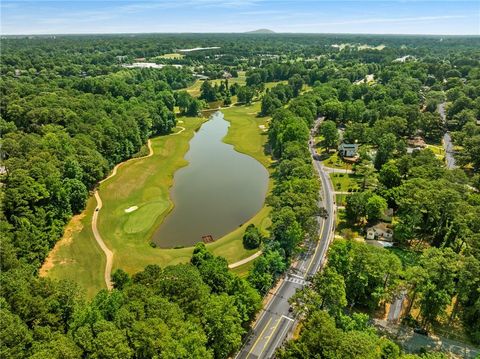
(201, 77)
(380, 231)
(348, 150)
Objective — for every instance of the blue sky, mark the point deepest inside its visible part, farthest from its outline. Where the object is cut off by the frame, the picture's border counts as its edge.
(312, 16)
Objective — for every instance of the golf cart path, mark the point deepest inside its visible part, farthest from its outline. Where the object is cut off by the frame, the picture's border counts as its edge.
(96, 233)
(245, 260)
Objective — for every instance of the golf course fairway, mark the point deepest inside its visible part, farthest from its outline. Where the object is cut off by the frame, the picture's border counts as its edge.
(136, 200)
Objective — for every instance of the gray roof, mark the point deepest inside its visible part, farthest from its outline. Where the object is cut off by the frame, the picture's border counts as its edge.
(349, 145)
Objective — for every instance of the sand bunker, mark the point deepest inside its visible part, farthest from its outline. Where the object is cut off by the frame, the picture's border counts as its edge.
(262, 127)
(131, 209)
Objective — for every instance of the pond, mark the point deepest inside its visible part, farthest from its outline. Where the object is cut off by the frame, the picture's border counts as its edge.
(219, 190)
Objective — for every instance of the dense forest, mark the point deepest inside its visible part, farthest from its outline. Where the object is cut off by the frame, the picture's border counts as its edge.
(70, 112)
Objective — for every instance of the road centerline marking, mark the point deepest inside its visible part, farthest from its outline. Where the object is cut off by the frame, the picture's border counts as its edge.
(270, 337)
(256, 341)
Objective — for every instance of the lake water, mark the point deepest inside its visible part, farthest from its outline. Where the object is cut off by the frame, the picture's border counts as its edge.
(216, 192)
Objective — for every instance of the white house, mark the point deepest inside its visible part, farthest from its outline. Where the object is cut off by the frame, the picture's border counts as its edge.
(380, 231)
(348, 149)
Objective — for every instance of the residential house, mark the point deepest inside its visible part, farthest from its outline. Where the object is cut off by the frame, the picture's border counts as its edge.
(417, 142)
(348, 150)
(380, 231)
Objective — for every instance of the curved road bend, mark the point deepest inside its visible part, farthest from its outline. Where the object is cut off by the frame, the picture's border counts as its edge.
(276, 321)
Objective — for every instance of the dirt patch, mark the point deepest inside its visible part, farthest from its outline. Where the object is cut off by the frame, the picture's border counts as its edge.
(74, 226)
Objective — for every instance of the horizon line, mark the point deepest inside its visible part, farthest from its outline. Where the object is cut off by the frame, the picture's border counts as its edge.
(250, 32)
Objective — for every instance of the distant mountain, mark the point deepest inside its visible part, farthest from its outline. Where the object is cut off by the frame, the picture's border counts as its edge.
(261, 31)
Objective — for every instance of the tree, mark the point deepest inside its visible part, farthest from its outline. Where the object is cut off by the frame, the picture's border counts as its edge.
(468, 298)
(472, 150)
(321, 338)
(15, 337)
(332, 110)
(120, 279)
(245, 94)
(252, 238)
(328, 130)
(56, 347)
(227, 101)
(269, 104)
(432, 126)
(330, 287)
(183, 99)
(356, 206)
(389, 175)
(385, 150)
(222, 326)
(436, 291)
(369, 177)
(207, 92)
(194, 108)
(77, 193)
(266, 270)
(296, 82)
(376, 207)
(370, 273)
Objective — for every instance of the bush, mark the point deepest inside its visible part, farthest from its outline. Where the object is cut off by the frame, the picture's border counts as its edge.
(252, 238)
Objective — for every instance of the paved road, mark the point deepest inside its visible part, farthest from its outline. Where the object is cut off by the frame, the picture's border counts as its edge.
(396, 307)
(275, 321)
(447, 140)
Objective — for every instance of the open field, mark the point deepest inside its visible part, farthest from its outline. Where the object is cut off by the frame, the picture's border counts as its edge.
(194, 89)
(136, 184)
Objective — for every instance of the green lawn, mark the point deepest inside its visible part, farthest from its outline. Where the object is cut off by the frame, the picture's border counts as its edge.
(341, 199)
(333, 160)
(243, 270)
(408, 257)
(343, 182)
(437, 149)
(194, 89)
(145, 183)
